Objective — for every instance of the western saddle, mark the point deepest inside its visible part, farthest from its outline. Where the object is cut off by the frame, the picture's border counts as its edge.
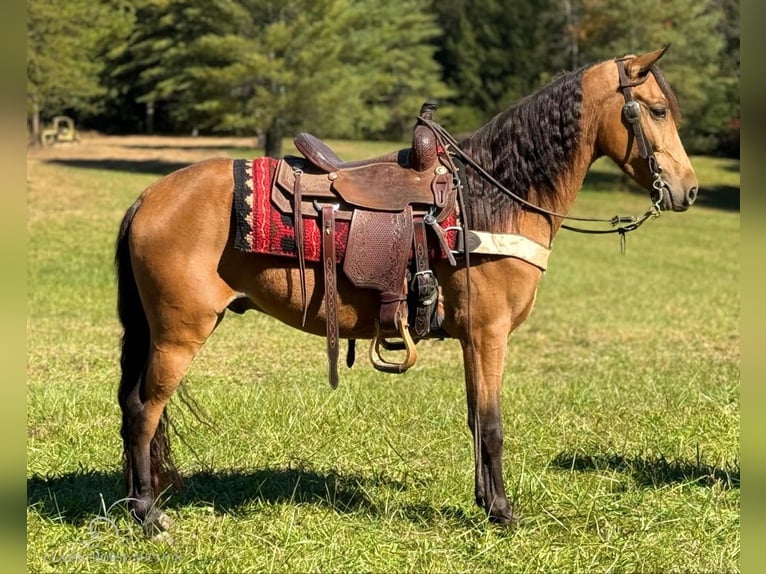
(390, 202)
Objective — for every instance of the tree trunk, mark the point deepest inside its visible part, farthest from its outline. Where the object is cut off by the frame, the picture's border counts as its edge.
(36, 125)
(273, 139)
(150, 117)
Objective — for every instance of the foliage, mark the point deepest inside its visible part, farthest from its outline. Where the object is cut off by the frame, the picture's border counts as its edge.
(361, 68)
(337, 67)
(692, 64)
(66, 44)
(493, 53)
(496, 52)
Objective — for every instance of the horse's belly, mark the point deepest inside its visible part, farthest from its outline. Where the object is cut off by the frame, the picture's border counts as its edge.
(273, 286)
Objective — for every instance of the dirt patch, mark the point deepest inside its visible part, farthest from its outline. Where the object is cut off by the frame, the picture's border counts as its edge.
(142, 148)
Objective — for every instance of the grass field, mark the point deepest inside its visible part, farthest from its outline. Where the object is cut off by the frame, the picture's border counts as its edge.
(621, 409)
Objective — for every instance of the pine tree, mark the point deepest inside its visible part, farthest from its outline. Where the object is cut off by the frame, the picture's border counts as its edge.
(342, 68)
(496, 52)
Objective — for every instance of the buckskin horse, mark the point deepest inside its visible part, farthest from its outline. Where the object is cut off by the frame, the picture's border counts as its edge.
(466, 228)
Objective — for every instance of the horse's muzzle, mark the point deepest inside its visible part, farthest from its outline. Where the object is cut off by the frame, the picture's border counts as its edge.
(676, 202)
(687, 200)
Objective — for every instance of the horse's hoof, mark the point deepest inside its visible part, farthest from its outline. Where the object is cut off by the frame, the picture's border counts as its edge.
(508, 518)
(156, 525)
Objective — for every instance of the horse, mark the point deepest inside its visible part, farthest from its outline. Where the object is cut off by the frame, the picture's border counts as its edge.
(178, 271)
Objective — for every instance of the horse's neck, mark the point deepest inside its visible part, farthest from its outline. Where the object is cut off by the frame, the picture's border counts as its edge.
(541, 227)
(565, 167)
(587, 152)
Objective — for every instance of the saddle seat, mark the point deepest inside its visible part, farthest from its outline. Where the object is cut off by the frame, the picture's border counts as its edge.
(389, 200)
(323, 157)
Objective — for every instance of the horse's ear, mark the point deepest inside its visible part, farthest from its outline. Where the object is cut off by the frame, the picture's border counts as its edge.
(640, 65)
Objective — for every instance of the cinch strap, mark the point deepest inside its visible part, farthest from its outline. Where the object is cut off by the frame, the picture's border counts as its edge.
(510, 244)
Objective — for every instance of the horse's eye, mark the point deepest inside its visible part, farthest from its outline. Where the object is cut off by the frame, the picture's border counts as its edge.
(659, 113)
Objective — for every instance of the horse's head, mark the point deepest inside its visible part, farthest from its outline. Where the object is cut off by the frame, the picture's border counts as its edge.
(638, 128)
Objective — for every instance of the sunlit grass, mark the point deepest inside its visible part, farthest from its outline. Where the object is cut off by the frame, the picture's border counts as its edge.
(621, 414)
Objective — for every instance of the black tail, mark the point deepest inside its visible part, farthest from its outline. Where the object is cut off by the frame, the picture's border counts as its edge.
(133, 361)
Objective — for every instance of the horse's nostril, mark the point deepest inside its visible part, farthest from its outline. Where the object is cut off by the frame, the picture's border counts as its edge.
(692, 195)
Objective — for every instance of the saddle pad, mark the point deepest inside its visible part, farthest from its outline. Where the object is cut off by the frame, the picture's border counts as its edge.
(260, 228)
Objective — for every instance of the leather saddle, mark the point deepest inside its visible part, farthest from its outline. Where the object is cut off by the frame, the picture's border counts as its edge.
(391, 202)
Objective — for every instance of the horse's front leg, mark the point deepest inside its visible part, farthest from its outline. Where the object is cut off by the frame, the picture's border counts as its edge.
(484, 357)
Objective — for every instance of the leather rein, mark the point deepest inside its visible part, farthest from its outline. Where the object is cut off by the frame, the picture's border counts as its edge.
(621, 224)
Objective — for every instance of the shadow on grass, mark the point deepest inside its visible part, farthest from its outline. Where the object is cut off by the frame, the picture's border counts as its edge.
(610, 181)
(149, 166)
(75, 497)
(180, 146)
(720, 197)
(235, 150)
(652, 472)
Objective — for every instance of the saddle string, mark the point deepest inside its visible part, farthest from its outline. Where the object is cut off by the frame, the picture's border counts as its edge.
(299, 241)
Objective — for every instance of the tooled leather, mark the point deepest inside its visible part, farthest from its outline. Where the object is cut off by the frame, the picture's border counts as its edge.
(330, 291)
(424, 148)
(378, 249)
(384, 186)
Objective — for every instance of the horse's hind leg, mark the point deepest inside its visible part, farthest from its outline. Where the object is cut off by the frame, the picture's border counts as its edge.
(177, 334)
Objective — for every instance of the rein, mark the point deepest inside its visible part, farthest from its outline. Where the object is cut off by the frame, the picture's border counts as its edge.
(632, 114)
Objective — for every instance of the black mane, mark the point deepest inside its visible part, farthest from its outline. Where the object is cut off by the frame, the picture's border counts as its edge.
(526, 148)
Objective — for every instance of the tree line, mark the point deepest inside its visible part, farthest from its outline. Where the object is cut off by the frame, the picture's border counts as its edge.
(359, 68)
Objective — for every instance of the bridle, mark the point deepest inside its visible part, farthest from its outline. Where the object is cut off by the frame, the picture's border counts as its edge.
(620, 224)
(632, 113)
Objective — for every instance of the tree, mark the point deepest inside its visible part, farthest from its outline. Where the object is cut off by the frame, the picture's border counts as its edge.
(342, 68)
(728, 138)
(495, 52)
(65, 40)
(693, 63)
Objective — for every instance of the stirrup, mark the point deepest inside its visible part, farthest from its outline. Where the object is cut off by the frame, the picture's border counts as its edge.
(409, 346)
(392, 345)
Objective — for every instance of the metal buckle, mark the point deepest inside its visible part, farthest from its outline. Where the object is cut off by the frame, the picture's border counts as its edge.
(318, 206)
(429, 284)
(459, 238)
(632, 111)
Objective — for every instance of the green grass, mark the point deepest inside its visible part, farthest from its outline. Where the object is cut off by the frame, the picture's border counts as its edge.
(621, 413)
